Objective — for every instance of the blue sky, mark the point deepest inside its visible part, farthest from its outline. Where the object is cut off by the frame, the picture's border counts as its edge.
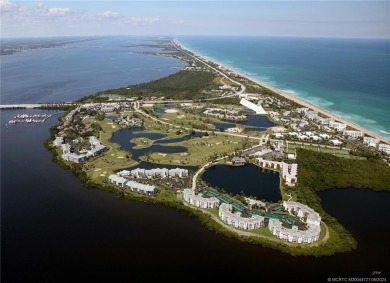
(263, 18)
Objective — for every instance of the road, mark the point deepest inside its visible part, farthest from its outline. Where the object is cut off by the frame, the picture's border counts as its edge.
(199, 59)
(136, 106)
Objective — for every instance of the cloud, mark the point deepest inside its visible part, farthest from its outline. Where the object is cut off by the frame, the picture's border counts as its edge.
(7, 6)
(109, 14)
(57, 11)
(139, 21)
(44, 10)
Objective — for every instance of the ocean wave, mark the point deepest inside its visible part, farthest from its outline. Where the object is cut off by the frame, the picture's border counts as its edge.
(383, 132)
(358, 119)
(320, 101)
(290, 91)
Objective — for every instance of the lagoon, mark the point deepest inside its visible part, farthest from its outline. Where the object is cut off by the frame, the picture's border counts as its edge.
(249, 179)
(123, 137)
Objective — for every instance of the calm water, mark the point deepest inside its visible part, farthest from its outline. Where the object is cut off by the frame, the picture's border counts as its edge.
(248, 178)
(54, 230)
(123, 137)
(346, 76)
(75, 70)
(257, 123)
(162, 108)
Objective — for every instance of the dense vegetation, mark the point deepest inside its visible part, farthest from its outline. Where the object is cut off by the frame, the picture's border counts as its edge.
(181, 85)
(227, 101)
(321, 171)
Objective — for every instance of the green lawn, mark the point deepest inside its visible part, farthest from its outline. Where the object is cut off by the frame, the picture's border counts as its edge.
(100, 167)
(166, 195)
(262, 231)
(200, 150)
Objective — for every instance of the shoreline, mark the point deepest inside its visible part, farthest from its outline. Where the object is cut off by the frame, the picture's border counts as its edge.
(294, 98)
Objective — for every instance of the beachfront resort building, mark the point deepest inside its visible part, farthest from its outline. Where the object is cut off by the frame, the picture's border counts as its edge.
(288, 171)
(337, 126)
(370, 141)
(353, 134)
(384, 148)
(199, 200)
(131, 185)
(293, 234)
(235, 218)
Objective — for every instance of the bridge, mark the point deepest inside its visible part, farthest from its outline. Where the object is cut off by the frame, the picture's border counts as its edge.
(20, 106)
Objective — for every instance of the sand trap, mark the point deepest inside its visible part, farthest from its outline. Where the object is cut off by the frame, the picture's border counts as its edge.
(171, 110)
(102, 175)
(98, 169)
(184, 153)
(278, 129)
(218, 143)
(112, 154)
(181, 116)
(147, 105)
(113, 127)
(162, 154)
(109, 123)
(176, 161)
(104, 172)
(120, 157)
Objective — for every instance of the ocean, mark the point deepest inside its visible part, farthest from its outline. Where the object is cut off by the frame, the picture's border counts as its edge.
(349, 77)
(71, 71)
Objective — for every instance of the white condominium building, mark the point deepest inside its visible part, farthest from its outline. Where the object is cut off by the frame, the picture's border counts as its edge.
(199, 200)
(370, 141)
(353, 134)
(337, 126)
(312, 217)
(141, 188)
(288, 171)
(96, 149)
(117, 180)
(294, 235)
(235, 219)
(385, 148)
(307, 215)
(159, 172)
(133, 186)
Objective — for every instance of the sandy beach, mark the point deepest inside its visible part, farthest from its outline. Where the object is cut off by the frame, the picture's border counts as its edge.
(298, 100)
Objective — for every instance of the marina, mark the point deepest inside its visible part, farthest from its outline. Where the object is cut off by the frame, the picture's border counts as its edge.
(29, 118)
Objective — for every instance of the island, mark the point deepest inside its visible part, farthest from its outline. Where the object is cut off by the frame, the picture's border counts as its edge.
(152, 142)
